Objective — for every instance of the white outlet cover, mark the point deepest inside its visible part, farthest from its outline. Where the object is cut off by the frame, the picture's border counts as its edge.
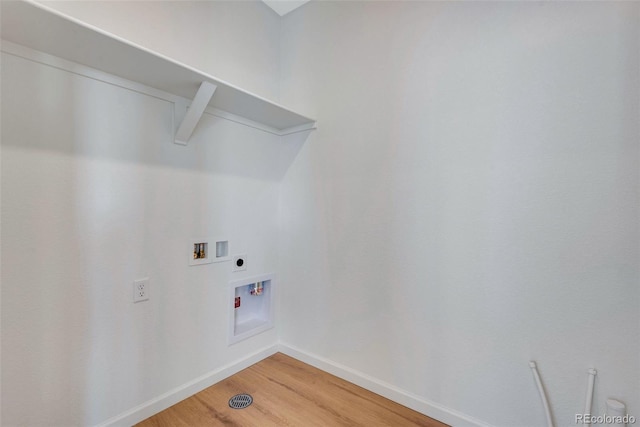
(242, 257)
(141, 290)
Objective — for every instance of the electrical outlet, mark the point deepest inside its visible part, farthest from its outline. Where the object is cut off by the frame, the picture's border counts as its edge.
(141, 290)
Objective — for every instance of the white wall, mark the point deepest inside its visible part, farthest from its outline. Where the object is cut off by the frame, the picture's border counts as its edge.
(95, 194)
(470, 200)
(236, 41)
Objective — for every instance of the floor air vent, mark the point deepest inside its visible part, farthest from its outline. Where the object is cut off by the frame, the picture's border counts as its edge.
(240, 401)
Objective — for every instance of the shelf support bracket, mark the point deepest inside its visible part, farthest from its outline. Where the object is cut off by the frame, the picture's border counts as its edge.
(194, 113)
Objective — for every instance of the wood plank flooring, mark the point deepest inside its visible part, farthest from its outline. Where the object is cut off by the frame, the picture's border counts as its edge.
(287, 392)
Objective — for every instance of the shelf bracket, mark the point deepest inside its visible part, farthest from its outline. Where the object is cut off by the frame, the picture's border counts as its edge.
(194, 113)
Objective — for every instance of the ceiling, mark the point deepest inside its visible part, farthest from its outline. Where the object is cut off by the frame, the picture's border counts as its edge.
(282, 7)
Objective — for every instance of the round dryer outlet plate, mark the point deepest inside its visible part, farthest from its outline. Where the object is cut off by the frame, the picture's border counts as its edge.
(239, 262)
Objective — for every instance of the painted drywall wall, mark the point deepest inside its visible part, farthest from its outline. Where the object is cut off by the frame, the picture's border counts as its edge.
(469, 201)
(236, 41)
(95, 194)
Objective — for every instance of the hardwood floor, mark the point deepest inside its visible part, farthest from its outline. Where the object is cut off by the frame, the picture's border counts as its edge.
(287, 392)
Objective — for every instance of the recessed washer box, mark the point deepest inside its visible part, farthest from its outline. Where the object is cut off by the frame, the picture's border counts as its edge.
(250, 307)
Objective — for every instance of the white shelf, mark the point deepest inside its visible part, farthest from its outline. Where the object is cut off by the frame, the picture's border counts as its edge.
(43, 29)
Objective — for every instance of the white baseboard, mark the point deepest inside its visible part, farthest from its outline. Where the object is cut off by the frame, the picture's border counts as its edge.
(417, 403)
(174, 396)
